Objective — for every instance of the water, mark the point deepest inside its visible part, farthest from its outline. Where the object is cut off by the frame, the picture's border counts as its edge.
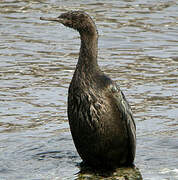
(138, 47)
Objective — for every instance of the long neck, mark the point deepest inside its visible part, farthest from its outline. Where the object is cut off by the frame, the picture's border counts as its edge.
(88, 51)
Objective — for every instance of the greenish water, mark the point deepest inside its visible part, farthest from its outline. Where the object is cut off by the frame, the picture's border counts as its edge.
(138, 47)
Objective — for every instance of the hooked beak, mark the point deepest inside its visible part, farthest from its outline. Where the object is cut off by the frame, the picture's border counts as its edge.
(52, 19)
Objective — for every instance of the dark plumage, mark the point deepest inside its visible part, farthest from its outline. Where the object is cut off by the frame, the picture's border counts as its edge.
(100, 117)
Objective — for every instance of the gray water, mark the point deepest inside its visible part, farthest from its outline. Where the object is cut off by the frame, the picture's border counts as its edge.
(138, 48)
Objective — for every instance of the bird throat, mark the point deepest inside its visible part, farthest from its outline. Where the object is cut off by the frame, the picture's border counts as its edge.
(88, 50)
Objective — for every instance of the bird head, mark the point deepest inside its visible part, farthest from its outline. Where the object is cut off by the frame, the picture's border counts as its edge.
(77, 20)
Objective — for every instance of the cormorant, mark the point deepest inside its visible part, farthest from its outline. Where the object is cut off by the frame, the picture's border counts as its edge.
(100, 118)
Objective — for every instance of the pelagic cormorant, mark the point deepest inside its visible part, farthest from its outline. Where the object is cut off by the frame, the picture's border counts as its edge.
(100, 118)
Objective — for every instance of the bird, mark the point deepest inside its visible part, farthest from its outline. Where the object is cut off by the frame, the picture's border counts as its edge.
(100, 118)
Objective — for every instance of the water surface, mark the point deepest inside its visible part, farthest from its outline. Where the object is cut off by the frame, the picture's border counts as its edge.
(138, 48)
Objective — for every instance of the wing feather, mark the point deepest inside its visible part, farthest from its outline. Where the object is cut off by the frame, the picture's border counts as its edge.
(127, 117)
